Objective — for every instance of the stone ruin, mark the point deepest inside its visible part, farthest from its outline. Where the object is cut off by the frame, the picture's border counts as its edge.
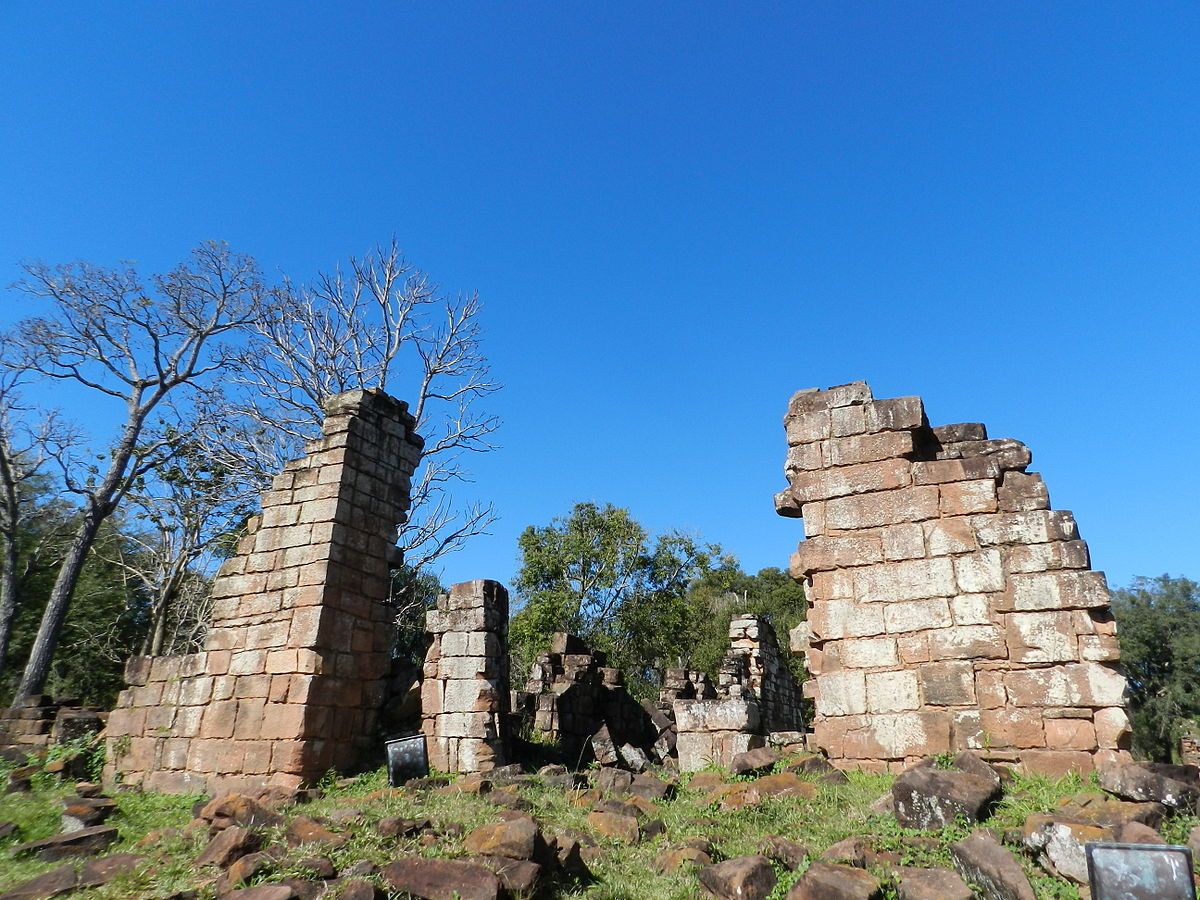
(756, 698)
(295, 663)
(950, 607)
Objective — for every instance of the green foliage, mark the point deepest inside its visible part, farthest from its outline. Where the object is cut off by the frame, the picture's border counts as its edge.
(599, 574)
(1159, 629)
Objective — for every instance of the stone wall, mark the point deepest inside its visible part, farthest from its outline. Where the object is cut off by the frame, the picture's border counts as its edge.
(756, 695)
(293, 671)
(950, 607)
(39, 722)
(465, 693)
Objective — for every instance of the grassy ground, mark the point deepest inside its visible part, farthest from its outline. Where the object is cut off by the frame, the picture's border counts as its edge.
(620, 872)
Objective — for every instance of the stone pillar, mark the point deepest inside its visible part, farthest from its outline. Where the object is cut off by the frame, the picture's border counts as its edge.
(465, 694)
(294, 667)
(950, 607)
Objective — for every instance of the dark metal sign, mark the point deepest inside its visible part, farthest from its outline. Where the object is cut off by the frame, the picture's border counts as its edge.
(1140, 872)
(406, 758)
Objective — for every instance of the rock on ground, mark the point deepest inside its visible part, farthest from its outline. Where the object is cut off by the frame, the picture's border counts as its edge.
(827, 881)
(931, 884)
(926, 796)
(742, 878)
(442, 879)
(84, 842)
(1175, 786)
(983, 861)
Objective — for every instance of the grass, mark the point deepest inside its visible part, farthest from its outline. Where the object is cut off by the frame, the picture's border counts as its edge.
(621, 873)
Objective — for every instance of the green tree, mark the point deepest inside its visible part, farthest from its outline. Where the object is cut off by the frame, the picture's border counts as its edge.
(597, 573)
(1158, 623)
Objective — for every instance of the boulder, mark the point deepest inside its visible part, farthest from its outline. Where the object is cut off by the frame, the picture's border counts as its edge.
(1177, 787)
(926, 796)
(84, 812)
(706, 781)
(650, 787)
(634, 757)
(567, 853)
(621, 809)
(1059, 844)
(615, 826)
(826, 881)
(229, 845)
(304, 830)
(85, 842)
(741, 878)
(786, 853)
(238, 809)
(931, 884)
(604, 749)
(54, 883)
(518, 876)
(358, 889)
(1101, 809)
(675, 858)
(98, 872)
(784, 784)
(984, 862)
(442, 879)
(818, 767)
(515, 838)
(754, 761)
(243, 869)
(613, 781)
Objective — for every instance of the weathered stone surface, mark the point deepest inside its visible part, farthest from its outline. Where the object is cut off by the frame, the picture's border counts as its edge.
(54, 883)
(1059, 844)
(931, 884)
(1177, 787)
(229, 845)
(442, 879)
(238, 809)
(304, 830)
(97, 872)
(650, 787)
(676, 858)
(615, 826)
(515, 838)
(265, 892)
(928, 797)
(84, 842)
(758, 760)
(358, 889)
(243, 869)
(828, 881)
(613, 781)
(741, 878)
(981, 860)
(519, 877)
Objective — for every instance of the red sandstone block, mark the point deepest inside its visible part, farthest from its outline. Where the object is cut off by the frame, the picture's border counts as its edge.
(948, 536)
(967, 497)
(219, 719)
(1013, 727)
(280, 580)
(1099, 648)
(849, 451)
(1066, 589)
(942, 471)
(847, 420)
(1056, 763)
(967, 642)
(251, 686)
(895, 414)
(299, 688)
(1072, 684)
(905, 580)
(852, 393)
(849, 480)
(248, 662)
(910, 504)
(249, 718)
(808, 457)
(913, 648)
(1032, 527)
(827, 553)
(1042, 637)
(807, 427)
(218, 661)
(282, 721)
(1070, 734)
(989, 689)
(891, 736)
(1023, 491)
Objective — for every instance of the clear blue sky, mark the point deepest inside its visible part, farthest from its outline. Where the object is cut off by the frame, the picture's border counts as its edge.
(679, 214)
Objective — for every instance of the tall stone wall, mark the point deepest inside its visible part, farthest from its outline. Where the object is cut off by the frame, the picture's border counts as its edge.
(465, 693)
(950, 607)
(294, 667)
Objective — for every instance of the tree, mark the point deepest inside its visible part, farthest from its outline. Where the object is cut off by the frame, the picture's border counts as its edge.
(380, 324)
(1158, 625)
(598, 574)
(111, 335)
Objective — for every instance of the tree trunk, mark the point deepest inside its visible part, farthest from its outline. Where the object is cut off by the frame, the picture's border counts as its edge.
(8, 595)
(38, 667)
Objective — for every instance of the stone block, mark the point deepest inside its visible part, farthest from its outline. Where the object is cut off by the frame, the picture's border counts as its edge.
(1073, 684)
(903, 541)
(1066, 589)
(967, 642)
(966, 497)
(905, 580)
(845, 481)
(895, 414)
(821, 554)
(1026, 558)
(900, 735)
(841, 694)
(868, 653)
(847, 420)
(944, 537)
(1070, 734)
(834, 619)
(910, 504)
(807, 427)
(1042, 637)
(971, 609)
(979, 573)
(732, 714)
(892, 691)
(1020, 491)
(917, 615)
(948, 683)
(1032, 527)
(864, 448)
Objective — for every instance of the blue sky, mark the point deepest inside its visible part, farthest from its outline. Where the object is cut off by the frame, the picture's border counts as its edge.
(676, 216)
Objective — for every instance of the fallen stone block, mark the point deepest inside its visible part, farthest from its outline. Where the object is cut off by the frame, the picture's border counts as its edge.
(753, 761)
(742, 878)
(931, 884)
(826, 881)
(442, 879)
(229, 845)
(650, 787)
(85, 842)
(617, 827)
(519, 877)
(1175, 786)
(786, 853)
(98, 872)
(929, 797)
(515, 839)
(984, 862)
(54, 883)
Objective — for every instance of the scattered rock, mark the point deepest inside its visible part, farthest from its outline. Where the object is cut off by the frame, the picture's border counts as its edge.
(820, 768)
(653, 829)
(510, 774)
(650, 787)
(706, 781)
(49, 884)
(615, 826)
(739, 795)
(8, 830)
(603, 748)
(931, 884)
(397, 827)
(467, 784)
(364, 868)
(518, 876)
(743, 878)
(87, 789)
(634, 758)
(784, 784)
(785, 852)
(674, 859)
(357, 889)
(1101, 809)
(613, 781)
(930, 797)
(84, 812)
(263, 892)
(1137, 833)
(1194, 842)
(516, 839)
(1059, 844)
(304, 830)
(644, 806)
(238, 809)
(827, 881)
(85, 842)
(442, 879)
(229, 845)
(884, 805)
(621, 809)
(345, 816)
(754, 761)
(981, 860)
(1175, 786)
(305, 890)
(853, 851)
(243, 869)
(20, 781)
(97, 872)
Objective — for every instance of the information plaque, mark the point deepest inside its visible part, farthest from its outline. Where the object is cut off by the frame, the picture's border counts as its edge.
(1140, 872)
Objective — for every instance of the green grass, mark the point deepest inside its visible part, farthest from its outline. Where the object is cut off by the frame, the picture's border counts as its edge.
(621, 873)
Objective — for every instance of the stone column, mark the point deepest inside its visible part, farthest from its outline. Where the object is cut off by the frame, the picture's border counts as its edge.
(465, 694)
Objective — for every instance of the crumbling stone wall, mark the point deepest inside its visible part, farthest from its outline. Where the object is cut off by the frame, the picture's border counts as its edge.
(574, 699)
(950, 607)
(465, 693)
(39, 722)
(292, 675)
(756, 695)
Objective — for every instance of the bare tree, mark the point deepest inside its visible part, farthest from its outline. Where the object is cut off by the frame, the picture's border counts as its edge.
(25, 448)
(109, 334)
(379, 324)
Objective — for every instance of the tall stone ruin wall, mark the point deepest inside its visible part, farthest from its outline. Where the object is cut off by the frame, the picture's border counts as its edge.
(950, 607)
(295, 663)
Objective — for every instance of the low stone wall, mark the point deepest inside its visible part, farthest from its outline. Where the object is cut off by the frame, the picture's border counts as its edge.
(465, 693)
(950, 607)
(293, 672)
